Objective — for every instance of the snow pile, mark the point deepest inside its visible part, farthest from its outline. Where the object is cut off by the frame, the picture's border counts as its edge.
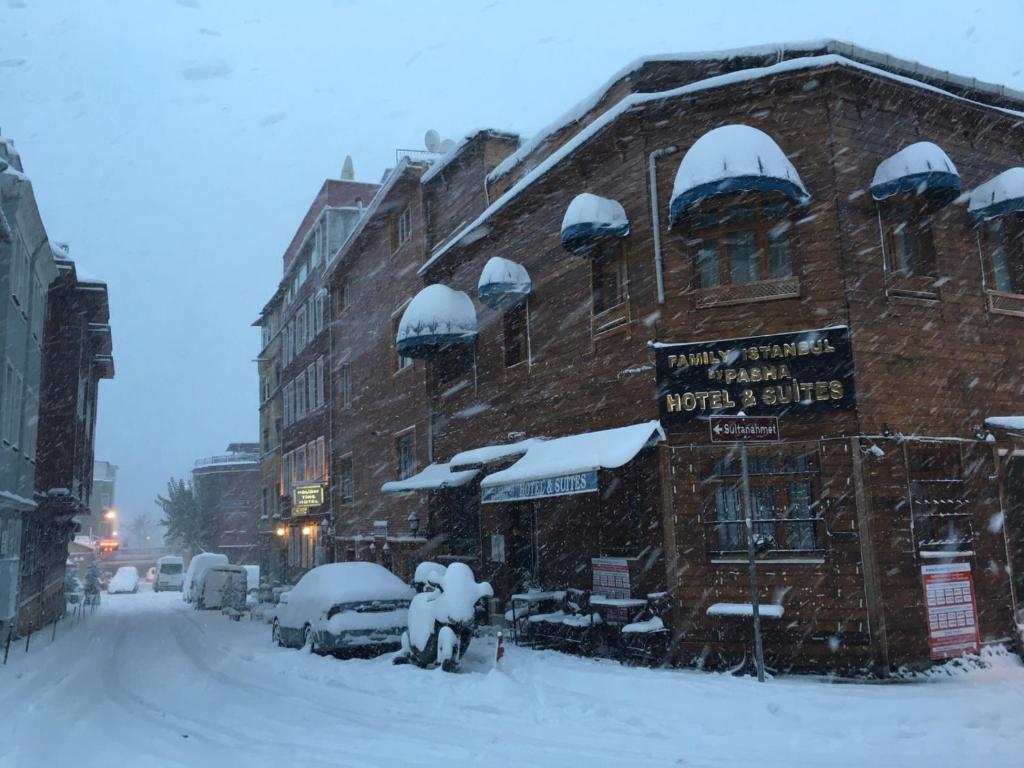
(125, 580)
(654, 624)
(477, 457)
(733, 158)
(421, 619)
(459, 594)
(605, 449)
(197, 568)
(589, 219)
(999, 195)
(428, 572)
(767, 610)
(503, 283)
(349, 621)
(434, 476)
(437, 316)
(918, 168)
(1006, 422)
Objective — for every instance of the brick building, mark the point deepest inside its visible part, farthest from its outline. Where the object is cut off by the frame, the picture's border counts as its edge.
(227, 488)
(817, 233)
(304, 389)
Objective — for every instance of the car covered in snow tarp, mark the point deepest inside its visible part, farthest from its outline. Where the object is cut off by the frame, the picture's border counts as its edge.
(197, 568)
(345, 608)
(125, 580)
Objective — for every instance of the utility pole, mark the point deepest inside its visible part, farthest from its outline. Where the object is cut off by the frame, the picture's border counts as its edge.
(752, 558)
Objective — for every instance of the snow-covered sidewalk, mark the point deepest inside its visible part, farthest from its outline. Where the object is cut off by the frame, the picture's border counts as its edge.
(148, 682)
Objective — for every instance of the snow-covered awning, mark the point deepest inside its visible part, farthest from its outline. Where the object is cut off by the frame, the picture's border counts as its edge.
(503, 283)
(488, 454)
(921, 167)
(998, 196)
(568, 465)
(1006, 422)
(589, 220)
(432, 478)
(436, 317)
(731, 159)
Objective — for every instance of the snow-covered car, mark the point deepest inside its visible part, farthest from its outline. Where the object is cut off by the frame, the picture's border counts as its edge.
(125, 580)
(344, 608)
(170, 573)
(197, 569)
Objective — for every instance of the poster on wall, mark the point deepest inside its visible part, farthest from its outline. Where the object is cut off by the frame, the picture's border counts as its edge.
(952, 611)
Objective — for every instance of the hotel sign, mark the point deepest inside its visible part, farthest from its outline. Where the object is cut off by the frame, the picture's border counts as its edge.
(562, 485)
(307, 495)
(803, 372)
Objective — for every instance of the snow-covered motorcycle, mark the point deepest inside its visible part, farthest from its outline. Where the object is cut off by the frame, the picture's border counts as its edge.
(442, 615)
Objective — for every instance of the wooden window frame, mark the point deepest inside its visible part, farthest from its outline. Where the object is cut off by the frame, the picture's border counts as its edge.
(400, 438)
(783, 526)
(895, 215)
(401, 231)
(1001, 301)
(515, 328)
(613, 318)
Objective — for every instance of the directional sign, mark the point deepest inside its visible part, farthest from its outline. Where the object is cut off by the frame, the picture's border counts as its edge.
(744, 429)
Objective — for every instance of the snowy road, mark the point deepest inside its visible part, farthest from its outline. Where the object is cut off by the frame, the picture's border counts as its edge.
(147, 682)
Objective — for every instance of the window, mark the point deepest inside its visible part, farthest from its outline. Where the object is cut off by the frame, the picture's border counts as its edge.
(402, 229)
(311, 323)
(321, 395)
(300, 464)
(265, 502)
(325, 470)
(345, 384)
(910, 242)
(784, 510)
(287, 404)
(345, 484)
(314, 248)
(406, 451)
(608, 270)
(318, 312)
(266, 439)
(737, 244)
(312, 391)
(515, 331)
(1004, 239)
(940, 507)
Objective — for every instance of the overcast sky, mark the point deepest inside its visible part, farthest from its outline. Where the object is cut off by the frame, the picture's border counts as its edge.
(175, 144)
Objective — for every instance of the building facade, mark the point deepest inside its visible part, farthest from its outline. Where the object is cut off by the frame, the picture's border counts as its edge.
(272, 549)
(304, 528)
(26, 268)
(77, 355)
(227, 489)
(102, 499)
(815, 234)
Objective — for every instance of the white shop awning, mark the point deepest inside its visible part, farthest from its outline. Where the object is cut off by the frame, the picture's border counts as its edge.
(998, 196)
(437, 317)
(488, 454)
(568, 465)
(921, 167)
(503, 283)
(432, 478)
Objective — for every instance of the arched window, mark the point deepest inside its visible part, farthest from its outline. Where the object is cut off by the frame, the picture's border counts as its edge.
(998, 207)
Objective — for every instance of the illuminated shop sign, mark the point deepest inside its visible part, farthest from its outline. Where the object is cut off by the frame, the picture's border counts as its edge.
(308, 495)
(562, 485)
(775, 375)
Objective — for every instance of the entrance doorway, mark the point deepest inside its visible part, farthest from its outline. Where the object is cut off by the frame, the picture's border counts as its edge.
(522, 556)
(1014, 526)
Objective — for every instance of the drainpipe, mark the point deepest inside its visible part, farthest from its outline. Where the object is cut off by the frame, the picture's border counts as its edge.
(652, 175)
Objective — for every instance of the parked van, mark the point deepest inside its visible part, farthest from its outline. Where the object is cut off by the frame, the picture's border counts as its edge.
(197, 569)
(223, 586)
(170, 573)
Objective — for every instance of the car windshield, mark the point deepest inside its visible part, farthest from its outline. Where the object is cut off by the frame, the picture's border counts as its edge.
(511, 383)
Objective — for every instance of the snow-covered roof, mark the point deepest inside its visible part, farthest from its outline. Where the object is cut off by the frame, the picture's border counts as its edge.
(999, 195)
(487, 454)
(444, 160)
(503, 283)
(631, 102)
(868, 58)
(590, 219)
(604, 449)
(920, 167)
(437, 316)
(733, 158)
(1006, 422)
(433, 477)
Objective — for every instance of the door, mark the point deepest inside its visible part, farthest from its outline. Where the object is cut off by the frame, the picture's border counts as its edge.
(1014, 526)
(522, 555)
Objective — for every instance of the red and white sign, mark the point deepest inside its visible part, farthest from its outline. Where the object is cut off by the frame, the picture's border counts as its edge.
(952, 612)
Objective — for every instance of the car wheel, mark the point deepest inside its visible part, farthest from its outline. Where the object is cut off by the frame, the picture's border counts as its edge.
(307, 639)
(275, 634)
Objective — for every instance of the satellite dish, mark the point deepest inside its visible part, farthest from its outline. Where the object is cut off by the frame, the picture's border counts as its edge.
(446, 146)
(432, 140)
(348, 172)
